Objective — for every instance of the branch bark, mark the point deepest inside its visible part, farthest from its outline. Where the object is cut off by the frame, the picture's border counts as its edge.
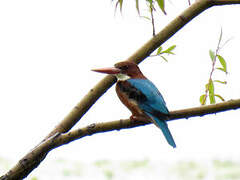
(55, 138)
(95, 128)
(33, 158)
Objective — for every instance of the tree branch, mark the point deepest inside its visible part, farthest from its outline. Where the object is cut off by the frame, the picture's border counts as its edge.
(39, 152)
(83, 106)
(225, 2)
(53, 139)
(127, 123)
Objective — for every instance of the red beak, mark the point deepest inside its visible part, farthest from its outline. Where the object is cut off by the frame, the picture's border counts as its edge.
(110, 70)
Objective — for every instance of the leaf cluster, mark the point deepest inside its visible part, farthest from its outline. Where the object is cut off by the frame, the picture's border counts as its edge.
(149, 3)
(160, 52)
(216, 59)
(150, 6)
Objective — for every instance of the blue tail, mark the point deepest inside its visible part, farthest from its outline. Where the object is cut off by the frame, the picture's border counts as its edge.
(164, 127)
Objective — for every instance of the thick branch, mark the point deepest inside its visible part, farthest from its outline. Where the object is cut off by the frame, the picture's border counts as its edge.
(225, 2)
(127, 123)
(39, 152)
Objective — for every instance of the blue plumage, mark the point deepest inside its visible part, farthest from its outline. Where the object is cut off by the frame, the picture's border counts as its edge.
(153, 105)
(140, 95)
(154, 98)
(164, 127)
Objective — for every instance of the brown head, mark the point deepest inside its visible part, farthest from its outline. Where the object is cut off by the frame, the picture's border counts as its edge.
(129, 68)
(123, 70)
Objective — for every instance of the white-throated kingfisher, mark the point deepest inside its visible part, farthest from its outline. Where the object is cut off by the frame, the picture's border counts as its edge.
(140, 96)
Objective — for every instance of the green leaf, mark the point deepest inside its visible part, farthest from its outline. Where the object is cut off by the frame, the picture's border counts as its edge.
(159, 51)
(202, 99)
(222, 82)
(212, 99)
(120, 3)
(137, 7)
(169, 50)
(161, 4)
(171, 53)
(221, 69)
(34, 178)
(164, 58)
(150, 3)
(146, 17)
(220, 97)
(212, 55)
(207, 86)
(211, 92)
(223, 63)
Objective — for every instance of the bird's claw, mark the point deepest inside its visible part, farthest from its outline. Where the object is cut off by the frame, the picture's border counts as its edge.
(139, 118)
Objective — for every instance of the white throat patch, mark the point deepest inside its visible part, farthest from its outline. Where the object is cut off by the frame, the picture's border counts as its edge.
(122, 77)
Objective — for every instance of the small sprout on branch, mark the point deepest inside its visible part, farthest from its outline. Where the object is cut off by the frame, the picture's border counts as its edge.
(151, 8)
(169, 50)
(161, 52)
(119, 3)
(161, 5)
(212, 55)
(137, 7)
(150, 5)
(222, 82)
(209, 87)
(145, 17)
(220, 97)
(202, 99)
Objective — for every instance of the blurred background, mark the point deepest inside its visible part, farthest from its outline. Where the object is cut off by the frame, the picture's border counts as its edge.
(47, 49)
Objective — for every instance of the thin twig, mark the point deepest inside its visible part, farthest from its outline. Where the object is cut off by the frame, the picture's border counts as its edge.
(213, 66)
(152, 18)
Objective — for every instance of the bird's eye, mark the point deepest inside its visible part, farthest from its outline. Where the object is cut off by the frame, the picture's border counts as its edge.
(124, 67)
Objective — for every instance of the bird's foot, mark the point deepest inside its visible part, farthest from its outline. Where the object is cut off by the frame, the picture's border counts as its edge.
(139, 118)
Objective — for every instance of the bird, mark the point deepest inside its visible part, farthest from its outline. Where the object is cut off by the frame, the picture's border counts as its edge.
(140, 96)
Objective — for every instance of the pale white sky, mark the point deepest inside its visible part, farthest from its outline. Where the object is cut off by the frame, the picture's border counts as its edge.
(48, 47)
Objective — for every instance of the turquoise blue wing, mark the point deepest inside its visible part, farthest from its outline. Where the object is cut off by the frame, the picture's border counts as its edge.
(153, 105)
(154, 101)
